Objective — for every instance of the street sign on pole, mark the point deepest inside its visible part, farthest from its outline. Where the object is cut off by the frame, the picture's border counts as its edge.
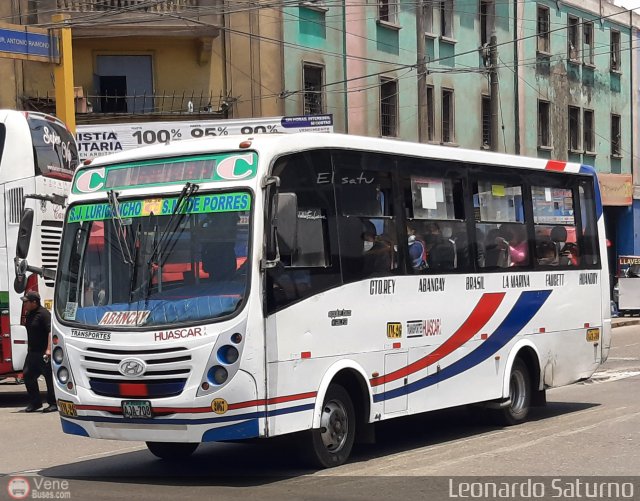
(31, 44)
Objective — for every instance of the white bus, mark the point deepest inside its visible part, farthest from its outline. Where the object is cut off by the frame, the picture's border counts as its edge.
(230, 288)
(38, 156)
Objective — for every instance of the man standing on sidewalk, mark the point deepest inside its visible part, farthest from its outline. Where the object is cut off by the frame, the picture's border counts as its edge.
(38, 324)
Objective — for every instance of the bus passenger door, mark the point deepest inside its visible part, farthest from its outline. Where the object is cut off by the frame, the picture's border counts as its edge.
(393, 362)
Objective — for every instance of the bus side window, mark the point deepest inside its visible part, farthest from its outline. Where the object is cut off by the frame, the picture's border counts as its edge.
(366, 224)
(313, 265)
(435, 222)
(555, 226)
(590, 254)
(500, 224)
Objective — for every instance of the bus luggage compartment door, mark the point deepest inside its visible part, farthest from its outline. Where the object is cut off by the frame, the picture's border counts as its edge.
(398, 400)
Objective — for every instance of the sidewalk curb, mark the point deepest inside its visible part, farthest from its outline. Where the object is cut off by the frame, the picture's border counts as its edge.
(622, 321)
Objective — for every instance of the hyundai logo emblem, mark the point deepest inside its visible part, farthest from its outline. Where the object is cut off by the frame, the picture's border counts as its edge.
(132, 367)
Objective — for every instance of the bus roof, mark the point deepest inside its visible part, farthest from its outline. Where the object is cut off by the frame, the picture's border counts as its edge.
(277, 144)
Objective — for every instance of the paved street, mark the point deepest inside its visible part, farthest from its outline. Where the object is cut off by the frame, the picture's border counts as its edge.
(586, 429)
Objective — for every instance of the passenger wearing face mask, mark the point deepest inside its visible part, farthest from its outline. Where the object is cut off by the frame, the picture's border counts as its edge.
(377, 252)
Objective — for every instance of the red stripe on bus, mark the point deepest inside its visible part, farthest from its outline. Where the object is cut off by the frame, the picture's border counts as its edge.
(19, 341)
(198, 410)
(556, 165)
(290, 398)
(133, 390)
(480, 315)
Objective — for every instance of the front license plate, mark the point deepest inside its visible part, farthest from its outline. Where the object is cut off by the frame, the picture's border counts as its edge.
(67, 408)
(137, 409)
(593, 335)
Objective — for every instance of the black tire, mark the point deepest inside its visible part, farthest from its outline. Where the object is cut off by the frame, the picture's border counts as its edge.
(172, 451)
(331, 444)
(519, 395)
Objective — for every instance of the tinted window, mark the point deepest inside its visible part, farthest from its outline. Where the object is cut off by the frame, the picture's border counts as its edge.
(313, 265)
(54, 148)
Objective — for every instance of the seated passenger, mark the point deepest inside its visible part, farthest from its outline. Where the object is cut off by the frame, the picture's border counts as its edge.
(219, 260)
(417, 250)
(546, 252)
(442, 253)
(377, 252)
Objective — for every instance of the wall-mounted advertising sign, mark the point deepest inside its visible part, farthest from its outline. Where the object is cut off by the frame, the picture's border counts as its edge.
(99, 140)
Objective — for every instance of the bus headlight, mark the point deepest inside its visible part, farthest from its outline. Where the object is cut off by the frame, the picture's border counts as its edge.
(217, 374)
(228, 354)
(57, 355)
(63, 375)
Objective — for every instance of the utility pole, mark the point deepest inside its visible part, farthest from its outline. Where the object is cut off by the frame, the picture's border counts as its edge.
(493, 80)
(421, 66)
(63, 75)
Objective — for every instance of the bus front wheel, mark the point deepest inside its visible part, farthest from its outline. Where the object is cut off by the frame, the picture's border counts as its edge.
(519, 396)
(331, 444)
(172, 450)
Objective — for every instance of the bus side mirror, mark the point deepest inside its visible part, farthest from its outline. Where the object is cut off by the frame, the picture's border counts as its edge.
(287, 223)
(24, 233)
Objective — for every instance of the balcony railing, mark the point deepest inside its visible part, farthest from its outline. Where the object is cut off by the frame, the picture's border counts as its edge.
(140, 18)
(128, 5)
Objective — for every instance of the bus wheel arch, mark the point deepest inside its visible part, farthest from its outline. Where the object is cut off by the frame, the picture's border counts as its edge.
(522, 387)
(353, 379)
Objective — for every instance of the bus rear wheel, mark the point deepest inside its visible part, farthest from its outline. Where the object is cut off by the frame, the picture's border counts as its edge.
(331, 444)
(519, 396)
(172, 450)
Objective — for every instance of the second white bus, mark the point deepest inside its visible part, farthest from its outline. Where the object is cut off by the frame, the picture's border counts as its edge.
(232, 288)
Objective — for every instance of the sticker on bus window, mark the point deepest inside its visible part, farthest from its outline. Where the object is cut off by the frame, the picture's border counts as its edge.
(70, 311)
(124, 318)
(498, 190)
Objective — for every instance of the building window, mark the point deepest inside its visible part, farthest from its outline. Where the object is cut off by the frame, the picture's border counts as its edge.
(573, 38)
(542, 32)
(313, 77)
(616, 136)
(615, 50)
(574, 128)
(388, 11)
(544, 117)
(588, 125)
(448, 114)
(446, 18)
(427, 14)
(587, 41)
(388, 107)
(486, 10)
(430, 114)
(486, 122)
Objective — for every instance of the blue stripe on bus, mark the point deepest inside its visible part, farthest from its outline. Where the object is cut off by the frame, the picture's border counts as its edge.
(217, 419)
(239, 431)
(73, 428)
(588, 169)
(528, 304)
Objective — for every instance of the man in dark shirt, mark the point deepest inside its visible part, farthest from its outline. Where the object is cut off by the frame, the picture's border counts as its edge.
(38, 324)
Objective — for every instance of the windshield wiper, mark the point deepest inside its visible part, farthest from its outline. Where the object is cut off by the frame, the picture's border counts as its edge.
(165, 237)
(118, 226)
(136, 251)
(162, 243)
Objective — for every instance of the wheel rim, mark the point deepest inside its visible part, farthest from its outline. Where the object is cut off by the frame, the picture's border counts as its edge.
(517, 392)
(334, 426)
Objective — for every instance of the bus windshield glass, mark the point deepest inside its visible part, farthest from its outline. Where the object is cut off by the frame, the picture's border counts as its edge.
(150, 262)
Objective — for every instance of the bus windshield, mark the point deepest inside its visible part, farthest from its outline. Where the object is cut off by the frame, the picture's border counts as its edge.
(155, 261)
